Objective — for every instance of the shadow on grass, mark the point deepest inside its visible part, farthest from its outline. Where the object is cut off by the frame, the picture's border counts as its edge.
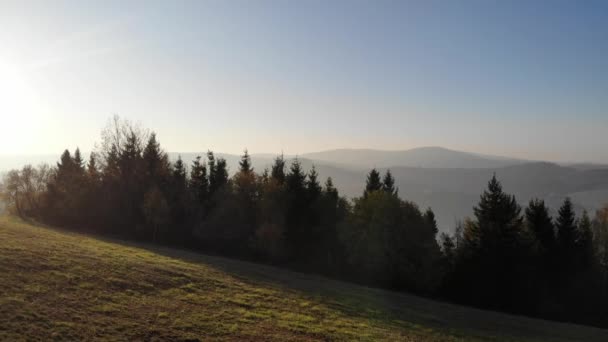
(385, 307)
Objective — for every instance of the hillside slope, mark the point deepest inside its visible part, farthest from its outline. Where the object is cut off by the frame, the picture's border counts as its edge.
(65, 286)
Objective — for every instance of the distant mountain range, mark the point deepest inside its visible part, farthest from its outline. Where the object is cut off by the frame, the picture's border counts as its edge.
(448, 181)
(422, 157)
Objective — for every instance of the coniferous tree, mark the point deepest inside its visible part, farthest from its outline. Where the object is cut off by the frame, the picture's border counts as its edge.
(540, 224)
(312, 185)
(213, 182)
(277, 171)
(221, 173)
(566, 232)
(585, 241)
(199, 183)
(429, 217)
(498, 264)
(295, 188)
(388, 183)
(78, 161)
(92, 168)
(245, 163)
(373, 183)
(330, 189)
(265, 176)
(155, 163)
(178, 204)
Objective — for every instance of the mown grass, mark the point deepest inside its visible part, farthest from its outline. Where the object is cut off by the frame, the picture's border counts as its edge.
(57, 285)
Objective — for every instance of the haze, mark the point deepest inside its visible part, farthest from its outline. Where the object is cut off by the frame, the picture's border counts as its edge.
(520, 79)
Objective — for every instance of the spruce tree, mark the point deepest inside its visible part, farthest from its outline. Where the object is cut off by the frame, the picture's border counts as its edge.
(540, 224)
(179, 173)
(388, 183)
(213, 182)
(566, 230)
(330, 189)
(93, 168)
(65, 164)
(373, 183)
(498, 215)
(312, 184)
(585, 241)
(155, 163)
(199, 184)
(277, 171)
(500, 253)
(297, 209)
(221, 173)
(429, 217)
(78, 161)
(245, 163)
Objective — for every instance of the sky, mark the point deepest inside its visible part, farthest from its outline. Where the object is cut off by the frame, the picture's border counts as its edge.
(524, 79)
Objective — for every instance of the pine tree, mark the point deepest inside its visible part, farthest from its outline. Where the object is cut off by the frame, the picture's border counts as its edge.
(212, 172)
(265, 176)
(312, 185)
(373, 183)
(65, 166)
(500, 252)
(156, 163)
(199, 184)
(566, 230)
(93, 168)
(429, 217)
(277, 171)
(330, 189)
(245, 163)
(295, 188)
(179, 173)
(498, 215)
(295, 179)
(540, 224)
(111, 170)
(585, 240)
(221, 173)
(388, 183)
(78, 161)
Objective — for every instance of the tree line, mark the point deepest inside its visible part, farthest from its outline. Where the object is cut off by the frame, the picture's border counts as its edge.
(504, 258)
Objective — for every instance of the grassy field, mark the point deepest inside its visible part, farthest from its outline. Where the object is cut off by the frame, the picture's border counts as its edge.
(65, 286)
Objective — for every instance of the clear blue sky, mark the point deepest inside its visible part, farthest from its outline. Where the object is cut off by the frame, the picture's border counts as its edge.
(518, 78)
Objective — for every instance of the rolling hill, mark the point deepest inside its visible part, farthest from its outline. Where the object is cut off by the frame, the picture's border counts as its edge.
(58, 285)
(421, 157)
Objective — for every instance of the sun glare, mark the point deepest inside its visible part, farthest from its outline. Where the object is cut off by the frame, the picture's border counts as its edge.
(17, 104)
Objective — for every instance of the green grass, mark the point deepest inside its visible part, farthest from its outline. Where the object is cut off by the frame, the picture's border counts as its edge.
(65, 286)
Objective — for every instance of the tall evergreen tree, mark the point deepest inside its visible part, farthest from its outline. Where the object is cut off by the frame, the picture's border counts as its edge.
(179, 173)
(156, 162)
(585, 241)
(312, 185)
(245, 163)
(78, 161)
(429, 217)
(388, 183)
(93, 168)
(221, 173)
(373, 183)
(566, 230)
(295, 188)
(498, 265)
(330, 189)
(277, 171)
(199, 183)
(540, 224)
